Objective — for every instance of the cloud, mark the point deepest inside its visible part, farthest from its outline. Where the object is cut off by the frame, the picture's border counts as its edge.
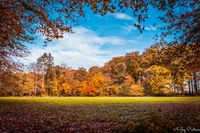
(130, 28)
(122, 16)
(150, 28)
(80, 49)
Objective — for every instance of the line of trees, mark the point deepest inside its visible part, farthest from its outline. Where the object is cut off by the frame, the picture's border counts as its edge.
(160, 70)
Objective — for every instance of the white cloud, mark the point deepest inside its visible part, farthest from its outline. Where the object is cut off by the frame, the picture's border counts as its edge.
(130, 28)
(122, 16)
(150, 28)
(80, 49)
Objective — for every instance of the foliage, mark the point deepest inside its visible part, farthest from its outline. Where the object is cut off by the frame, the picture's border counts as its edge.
(153, 72)
(26, 18)
(136, 90)
(158, 80)
(8, 57)
(21, 21)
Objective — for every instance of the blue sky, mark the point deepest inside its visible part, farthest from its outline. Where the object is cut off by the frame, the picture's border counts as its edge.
(97, 39)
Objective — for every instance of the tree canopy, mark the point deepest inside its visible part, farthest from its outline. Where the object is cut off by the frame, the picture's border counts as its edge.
(22, 19)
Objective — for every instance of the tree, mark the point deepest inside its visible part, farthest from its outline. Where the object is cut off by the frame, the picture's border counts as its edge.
(94, 70)
(100, 83)
(183, 61)
(27, 84)
(158, 80)
(84, 89)
(68, 84)
(133, 63)
(33, 69)
(50, 82)
(182, 26)
(45, 66)
(116, 68)
(23, 19)
(153, 55)
(88, 88)
(9, 58)
(81, 74)
(10, 84)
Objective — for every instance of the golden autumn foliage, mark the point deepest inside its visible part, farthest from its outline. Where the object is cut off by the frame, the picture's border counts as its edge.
(87, 88)
(136, 90)
(158, 80)
(153, 72)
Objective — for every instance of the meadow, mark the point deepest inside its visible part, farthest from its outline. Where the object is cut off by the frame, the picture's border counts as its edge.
(99, 114)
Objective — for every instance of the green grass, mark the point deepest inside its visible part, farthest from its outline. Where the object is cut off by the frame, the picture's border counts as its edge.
(99, 100)
(98, 114)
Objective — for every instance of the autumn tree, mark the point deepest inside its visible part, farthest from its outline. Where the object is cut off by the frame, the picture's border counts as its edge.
(116, 68)
(27, 84)
(184, 65)
(181, 19)
(45, 66)
(68, 85)
(22, 15)
(153, 55)
(10, 84)
(81, 74)
(9, 58)
(133, 62)
(87, 88)
(158, 80)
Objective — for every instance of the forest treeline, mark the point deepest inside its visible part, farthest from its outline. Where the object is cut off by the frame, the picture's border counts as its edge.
(159, 70)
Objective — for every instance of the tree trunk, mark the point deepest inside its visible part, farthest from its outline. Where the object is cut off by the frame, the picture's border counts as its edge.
(173, 87)
(42, 82)
(195, 82)
(192, 87)
(35, 91)
(189, 87)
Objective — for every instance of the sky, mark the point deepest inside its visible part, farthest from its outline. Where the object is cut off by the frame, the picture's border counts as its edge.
(97, 39)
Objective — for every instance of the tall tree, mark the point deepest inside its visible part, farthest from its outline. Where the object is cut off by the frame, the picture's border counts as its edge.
(45, 65)
(133, 62)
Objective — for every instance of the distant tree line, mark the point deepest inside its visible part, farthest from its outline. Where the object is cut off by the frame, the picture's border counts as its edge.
(159, 71)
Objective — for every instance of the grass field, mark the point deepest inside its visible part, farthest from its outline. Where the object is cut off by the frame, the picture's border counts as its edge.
(99, 114)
